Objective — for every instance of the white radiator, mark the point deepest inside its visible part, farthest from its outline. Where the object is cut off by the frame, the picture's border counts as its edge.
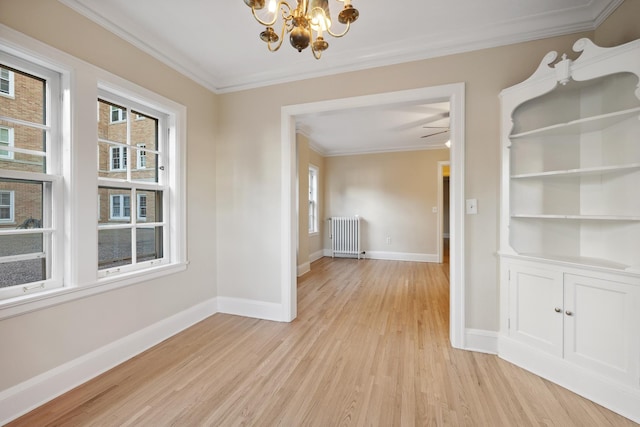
(345, 236)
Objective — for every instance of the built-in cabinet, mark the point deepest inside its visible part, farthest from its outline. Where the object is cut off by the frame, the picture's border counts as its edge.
(570, 223)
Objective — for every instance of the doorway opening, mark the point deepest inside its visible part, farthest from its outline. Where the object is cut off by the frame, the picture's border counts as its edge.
(452, 93)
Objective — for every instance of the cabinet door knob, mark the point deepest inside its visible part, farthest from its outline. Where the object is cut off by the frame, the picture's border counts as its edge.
(558, 310)
(569, 313)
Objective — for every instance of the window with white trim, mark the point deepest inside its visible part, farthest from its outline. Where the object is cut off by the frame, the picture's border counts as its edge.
(38, 192)
(118, 158)
(132, 242)
(7, 85)
(142, 206)
(313, 199)
(6, 206)
(6, 140)
(141, 156)
(31, 207)
(120, 206)
(116, 114)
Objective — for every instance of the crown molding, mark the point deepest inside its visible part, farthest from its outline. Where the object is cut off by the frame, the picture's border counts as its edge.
(527, 29)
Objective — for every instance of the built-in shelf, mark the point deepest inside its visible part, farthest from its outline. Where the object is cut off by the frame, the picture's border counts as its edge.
(580, 171)
(579, 217)
(580, 260)
(584, 125)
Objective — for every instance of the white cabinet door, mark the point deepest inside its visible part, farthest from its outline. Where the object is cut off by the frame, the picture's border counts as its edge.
(602, 327)
(535, 312)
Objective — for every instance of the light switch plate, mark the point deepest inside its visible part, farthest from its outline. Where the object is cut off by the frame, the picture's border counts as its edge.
(472, 206)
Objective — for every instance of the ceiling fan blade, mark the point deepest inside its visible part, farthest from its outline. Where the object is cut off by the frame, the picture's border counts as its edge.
(434, 134)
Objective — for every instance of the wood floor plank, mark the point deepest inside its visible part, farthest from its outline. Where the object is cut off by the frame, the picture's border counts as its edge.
(370, 347)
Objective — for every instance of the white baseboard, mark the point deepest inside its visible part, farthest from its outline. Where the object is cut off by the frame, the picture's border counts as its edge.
(392, 256)
(620, 398)
(401, 256)
(481, 340)
(316, 255)
(28, 395)
(250, 308)
(304, 268)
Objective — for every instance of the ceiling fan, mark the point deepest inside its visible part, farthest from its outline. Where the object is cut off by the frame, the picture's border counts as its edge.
(436, 118)
(446, 129)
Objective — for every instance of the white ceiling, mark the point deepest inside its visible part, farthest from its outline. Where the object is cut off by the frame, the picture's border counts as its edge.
(216, 43)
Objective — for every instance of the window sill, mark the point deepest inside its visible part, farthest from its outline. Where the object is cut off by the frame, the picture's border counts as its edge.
(314, 233)
(26, 304)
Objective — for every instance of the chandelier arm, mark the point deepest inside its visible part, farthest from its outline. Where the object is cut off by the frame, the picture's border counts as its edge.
(279, 41)
(281, 6)
(338, 35)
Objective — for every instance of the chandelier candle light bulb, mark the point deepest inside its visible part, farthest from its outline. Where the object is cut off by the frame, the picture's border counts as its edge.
(300, 22)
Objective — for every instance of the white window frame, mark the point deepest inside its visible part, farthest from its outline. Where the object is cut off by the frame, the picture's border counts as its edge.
(122, 157)
(10, 77)
(141, 156)
(314, 223)
(52, 222)
(11, 206)
(75, 251)
(122, 114)
(121, 206)
(163, 184)
(8, 143)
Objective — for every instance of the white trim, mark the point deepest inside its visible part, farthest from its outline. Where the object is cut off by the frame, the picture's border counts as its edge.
(481, 340)
(617, 397)
(24, 397)
(401, 256)
(455, 94)
(317, 255)
(251, 308)
(304, 268)
(534, 27)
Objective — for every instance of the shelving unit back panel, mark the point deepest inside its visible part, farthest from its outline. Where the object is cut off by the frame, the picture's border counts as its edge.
(577, 100)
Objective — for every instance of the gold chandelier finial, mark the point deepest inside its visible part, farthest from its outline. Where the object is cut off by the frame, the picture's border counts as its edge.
(305, 23)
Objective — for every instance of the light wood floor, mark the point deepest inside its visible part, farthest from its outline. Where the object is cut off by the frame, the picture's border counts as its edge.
(370, 347)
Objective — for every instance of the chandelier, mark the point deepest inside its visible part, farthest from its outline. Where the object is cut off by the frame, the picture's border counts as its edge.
(300, 23)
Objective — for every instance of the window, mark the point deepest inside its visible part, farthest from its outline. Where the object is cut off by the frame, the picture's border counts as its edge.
(142, 156)
(6, 140)
(142, 207)
(6, 82)
(116, 114)
(132, 242)
(313, 199)
(118, 158)
(120, 206)
(56, 243)
(6, 206)
(31, 209)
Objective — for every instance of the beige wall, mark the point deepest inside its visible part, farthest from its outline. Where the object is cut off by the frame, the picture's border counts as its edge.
(36, 342)
(394, 193)
(308, 244)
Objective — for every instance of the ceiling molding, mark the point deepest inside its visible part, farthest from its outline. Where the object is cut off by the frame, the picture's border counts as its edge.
(178, 62)
(383, 151)
(584, 18)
